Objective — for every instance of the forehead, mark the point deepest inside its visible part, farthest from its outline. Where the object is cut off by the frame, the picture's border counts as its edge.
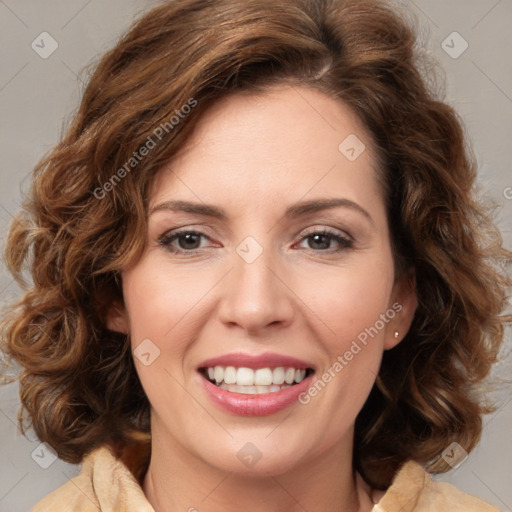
(261, 149)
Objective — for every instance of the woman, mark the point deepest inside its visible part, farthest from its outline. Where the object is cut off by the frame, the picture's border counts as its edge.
(260, 278)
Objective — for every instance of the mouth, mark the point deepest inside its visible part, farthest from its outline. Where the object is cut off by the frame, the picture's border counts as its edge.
(254, 381)
(255, 385)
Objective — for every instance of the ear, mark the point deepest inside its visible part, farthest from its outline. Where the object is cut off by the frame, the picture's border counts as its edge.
(404, 302)
(116, 318)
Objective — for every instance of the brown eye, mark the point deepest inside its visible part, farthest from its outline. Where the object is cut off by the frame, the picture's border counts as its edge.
(182, 241)
(319, 241)
(326, 241)
(189, 241)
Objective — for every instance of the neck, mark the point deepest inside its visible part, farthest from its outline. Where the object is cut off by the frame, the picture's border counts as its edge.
(177, 480)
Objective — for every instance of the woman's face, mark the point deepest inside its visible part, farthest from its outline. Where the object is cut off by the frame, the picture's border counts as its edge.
(268, 253)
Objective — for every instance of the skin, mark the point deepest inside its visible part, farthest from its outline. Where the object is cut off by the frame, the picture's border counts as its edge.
(254, 156)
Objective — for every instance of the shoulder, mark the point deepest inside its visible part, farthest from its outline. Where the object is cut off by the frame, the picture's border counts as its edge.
(413, 490)
(105, 483)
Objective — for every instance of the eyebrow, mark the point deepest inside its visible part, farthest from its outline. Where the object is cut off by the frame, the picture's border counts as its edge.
(294, 211)
(307, 207)
(197, 208)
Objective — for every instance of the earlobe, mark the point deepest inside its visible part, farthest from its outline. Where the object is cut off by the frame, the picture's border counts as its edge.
(404, 295)
(116, 318)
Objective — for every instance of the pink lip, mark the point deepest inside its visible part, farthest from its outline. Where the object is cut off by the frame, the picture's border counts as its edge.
(265, 360)
(255, 405)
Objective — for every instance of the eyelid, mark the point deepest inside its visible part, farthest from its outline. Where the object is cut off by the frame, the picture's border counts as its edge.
(329, 230)
(172, 234)
(344, 239)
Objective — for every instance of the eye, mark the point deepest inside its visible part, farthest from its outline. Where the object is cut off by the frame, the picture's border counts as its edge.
(182, 241)
(322, 241)
(189, 241)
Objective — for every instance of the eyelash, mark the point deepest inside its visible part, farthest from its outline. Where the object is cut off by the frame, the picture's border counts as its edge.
(345, 242)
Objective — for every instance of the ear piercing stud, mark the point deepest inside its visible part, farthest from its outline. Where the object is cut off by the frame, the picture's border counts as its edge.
(397, 334)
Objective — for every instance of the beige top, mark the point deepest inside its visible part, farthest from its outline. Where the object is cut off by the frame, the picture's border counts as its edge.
(107, 485)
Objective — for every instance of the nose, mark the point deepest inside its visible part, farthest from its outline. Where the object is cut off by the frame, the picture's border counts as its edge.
(255, 297)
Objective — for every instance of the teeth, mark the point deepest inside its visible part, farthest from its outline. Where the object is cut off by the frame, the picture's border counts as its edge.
(230, 375)
(219, 374)
(245, 377)
(252, 390)
(278, 376)
(289, 375)
(263, 380)
(263, 377)
(299, 375)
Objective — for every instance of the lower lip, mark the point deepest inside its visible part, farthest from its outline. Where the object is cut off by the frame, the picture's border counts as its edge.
(255, 405)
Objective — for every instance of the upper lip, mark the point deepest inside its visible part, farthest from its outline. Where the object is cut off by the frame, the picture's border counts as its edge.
(265, 360)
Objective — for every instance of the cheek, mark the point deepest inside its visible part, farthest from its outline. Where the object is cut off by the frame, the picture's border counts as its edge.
(168, 308)
(351, 298)
(160, 303)
(161, 309)
(350, 303)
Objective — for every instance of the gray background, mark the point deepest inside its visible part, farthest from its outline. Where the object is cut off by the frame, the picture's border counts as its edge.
(37, 97)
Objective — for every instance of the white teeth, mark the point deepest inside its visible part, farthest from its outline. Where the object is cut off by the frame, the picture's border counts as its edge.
(289, 375)
(299, 375)
(245, 377)
(252, 390)
(219, 374)
(278, 376)
(264, 378)
(230, 375)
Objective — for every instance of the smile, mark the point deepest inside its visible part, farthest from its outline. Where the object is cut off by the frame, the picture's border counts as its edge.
(251, 381)
(255, 384)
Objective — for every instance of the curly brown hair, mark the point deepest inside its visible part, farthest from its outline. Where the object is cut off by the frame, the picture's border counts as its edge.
(85, 219)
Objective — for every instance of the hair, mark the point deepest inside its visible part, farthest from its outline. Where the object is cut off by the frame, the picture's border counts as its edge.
(85, 219)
